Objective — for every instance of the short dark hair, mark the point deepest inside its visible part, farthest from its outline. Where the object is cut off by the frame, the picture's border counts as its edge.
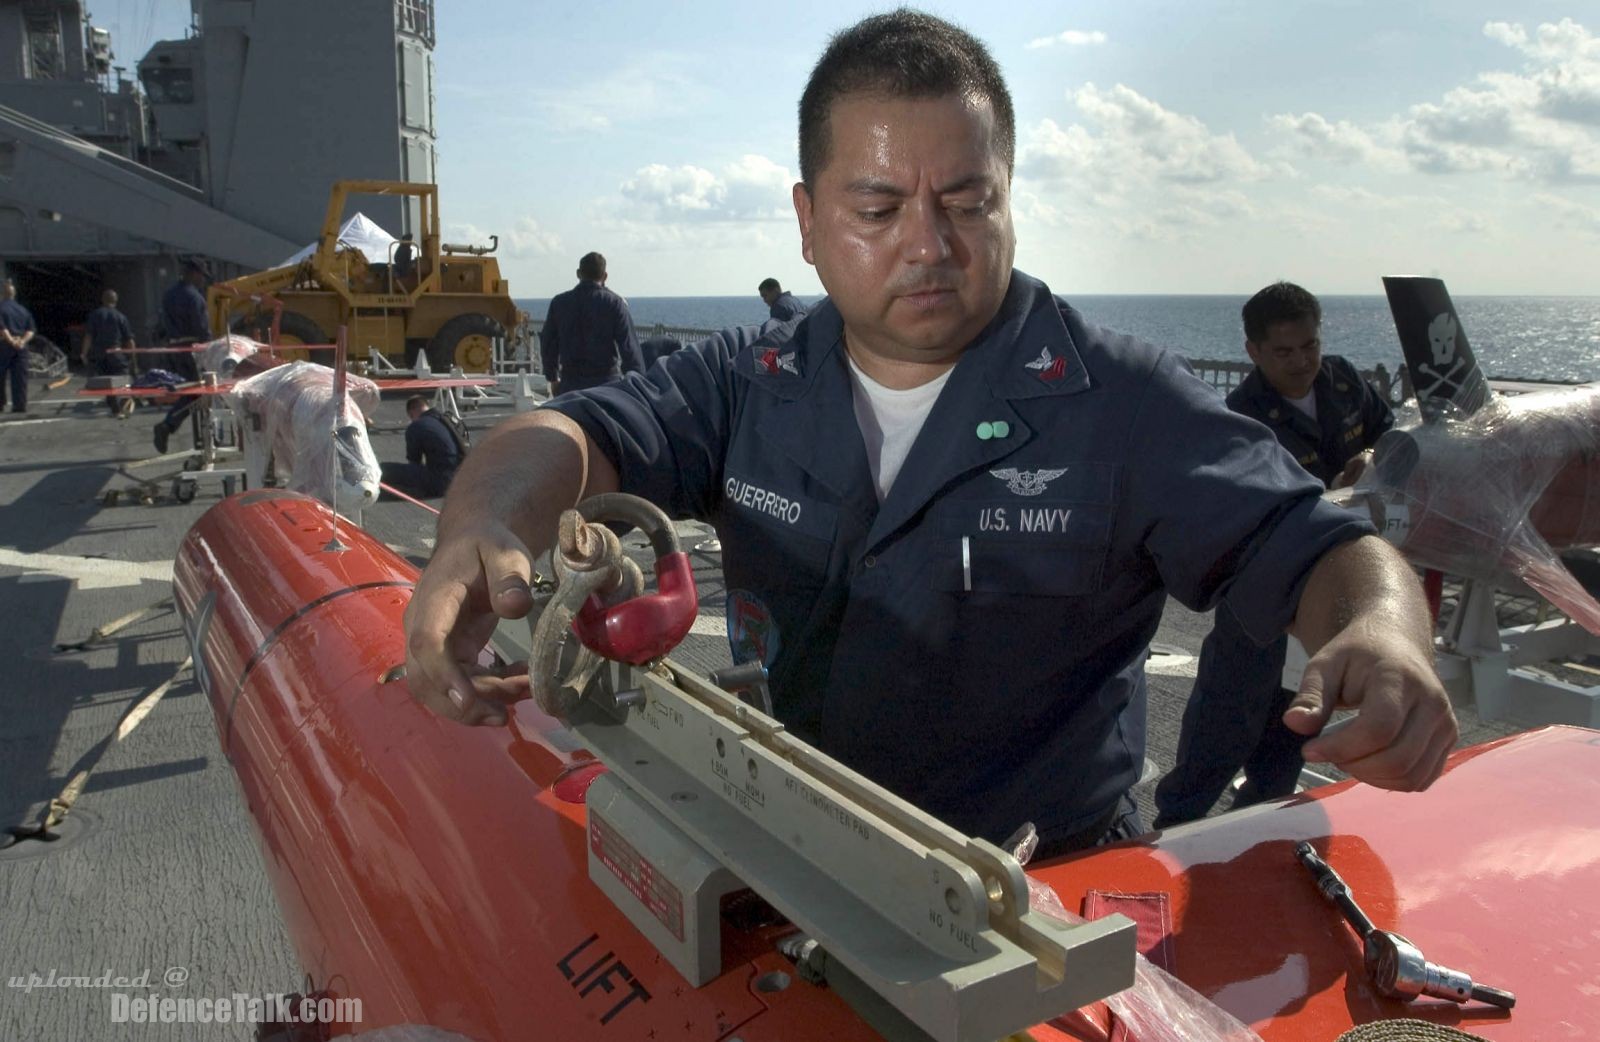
(767, 284)
(901, 54)
(415, 399)
(591, 266)
(1279, 302)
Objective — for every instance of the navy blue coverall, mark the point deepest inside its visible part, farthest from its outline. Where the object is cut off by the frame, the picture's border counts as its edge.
(1234, 718)
(183, 321)
(786, 306)
(107, 328)
(17, 320)
(587, 338)
(976, 643)
(431, 459)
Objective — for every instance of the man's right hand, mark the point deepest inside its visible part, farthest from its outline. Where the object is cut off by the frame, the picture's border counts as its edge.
(478, 576)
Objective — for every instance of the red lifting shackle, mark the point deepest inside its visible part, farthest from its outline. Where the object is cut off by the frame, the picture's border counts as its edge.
(646, 627)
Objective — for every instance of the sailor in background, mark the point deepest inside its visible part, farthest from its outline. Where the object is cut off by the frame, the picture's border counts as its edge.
(16, 329)
(182, 322)
(587, 338)
(951, 509)
(107, 328)
(781, 304)
(432, 453)
(1328, 418)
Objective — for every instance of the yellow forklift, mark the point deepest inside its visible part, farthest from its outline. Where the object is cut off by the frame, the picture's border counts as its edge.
(444, 302)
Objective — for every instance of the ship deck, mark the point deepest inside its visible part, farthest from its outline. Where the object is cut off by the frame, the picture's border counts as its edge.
(158, 868)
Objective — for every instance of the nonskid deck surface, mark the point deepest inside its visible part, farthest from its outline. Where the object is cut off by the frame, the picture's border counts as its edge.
(159, 870)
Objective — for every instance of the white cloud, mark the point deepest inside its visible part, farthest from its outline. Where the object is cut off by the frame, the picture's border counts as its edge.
(1069, 38)
(1340, 141)
(525, 238)
(1131, 140)
(1134, 168)
(1569, 214)
(650, 90)
(1541, 123)
(1351, 195)
(751, 188)
(1463, 223)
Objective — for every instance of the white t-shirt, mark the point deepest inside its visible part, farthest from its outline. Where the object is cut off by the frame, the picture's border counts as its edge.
(1307, 405)
(889, 421)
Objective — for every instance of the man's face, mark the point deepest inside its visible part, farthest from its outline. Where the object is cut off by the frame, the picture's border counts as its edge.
(1290, 356)
(909, 224)
(768, 296)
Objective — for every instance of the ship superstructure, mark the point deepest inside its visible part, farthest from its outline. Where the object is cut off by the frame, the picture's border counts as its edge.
(222, 145)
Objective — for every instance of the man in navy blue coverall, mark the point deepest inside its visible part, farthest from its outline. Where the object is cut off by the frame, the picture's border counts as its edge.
(781, 304)
(1327, 417)
(431, 454)
(183, 322)
(961, 612)
(16, 329)
(587, 338)
(105, 330)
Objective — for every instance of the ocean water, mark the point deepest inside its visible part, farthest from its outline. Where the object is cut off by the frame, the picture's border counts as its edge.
(1531, 338)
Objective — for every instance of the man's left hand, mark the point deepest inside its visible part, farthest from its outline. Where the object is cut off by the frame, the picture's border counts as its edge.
(1404, 727)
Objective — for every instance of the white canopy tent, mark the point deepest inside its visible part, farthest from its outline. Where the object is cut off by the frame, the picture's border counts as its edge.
(360, 232)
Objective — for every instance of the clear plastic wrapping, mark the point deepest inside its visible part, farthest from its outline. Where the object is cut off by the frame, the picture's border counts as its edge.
(1158, 1007)
(1498, 492)
(290, 414)
(223, 355)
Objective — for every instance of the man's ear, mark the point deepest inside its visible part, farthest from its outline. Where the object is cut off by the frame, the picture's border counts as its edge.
(1253, 351)
(802, 212)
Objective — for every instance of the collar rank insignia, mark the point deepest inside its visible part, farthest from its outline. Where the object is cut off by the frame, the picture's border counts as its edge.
(1026, 482)
(1049, 367)
(774, 363)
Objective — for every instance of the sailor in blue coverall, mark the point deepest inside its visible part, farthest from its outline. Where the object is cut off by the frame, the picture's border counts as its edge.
(183, 322)
(588, 338)
(432, 455)
(1018, 578)
(966, 624)
(1326, 415)
(17, 323)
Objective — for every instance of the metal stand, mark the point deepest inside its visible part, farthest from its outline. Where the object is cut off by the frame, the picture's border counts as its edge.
(1498, 669)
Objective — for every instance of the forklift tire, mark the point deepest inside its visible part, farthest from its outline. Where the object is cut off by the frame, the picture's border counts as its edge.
(293, 328)
(465, 341)
(183, 491)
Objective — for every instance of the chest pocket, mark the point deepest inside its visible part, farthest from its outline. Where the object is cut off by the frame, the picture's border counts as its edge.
(1015, 538)
(775, 541)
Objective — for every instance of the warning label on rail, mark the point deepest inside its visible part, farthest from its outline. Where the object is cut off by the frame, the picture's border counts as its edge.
(656, 893)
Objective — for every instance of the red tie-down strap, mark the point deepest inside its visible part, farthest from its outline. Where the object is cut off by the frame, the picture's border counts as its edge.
(1152, 915)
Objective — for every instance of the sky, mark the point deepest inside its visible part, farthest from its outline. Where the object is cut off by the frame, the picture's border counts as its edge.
(1162, 147)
